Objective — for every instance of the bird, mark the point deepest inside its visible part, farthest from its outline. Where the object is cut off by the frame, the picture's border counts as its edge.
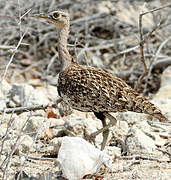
(91, 89)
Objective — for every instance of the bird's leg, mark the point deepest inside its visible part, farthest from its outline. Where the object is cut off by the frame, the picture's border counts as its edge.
(112, 119)
(112, 123)
(105, 134)
(102, 116)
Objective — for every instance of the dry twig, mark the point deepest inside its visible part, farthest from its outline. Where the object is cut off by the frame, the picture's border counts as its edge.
(164, 151)
(143, 157)
(142, 41)
(29, 108)
(14, 52)
(6, 133)
(4, 165)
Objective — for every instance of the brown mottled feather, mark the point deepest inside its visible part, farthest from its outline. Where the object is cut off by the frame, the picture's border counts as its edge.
(94, 90)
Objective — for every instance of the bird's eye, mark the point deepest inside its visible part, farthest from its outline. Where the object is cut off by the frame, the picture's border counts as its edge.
(55, 15)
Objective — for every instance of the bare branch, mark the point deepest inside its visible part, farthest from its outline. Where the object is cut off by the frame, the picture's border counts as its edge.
(7, 160)
(14, 52)
(29, 108)
(142, 41)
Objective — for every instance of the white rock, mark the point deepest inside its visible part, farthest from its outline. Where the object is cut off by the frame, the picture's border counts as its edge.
(106, 7)
(38, 121)
(8, 144)
(26, 143)
(26, 95)
(164, 105)
(138, 142)
(56, 144)
(3, 129)
(160, 141)
(18, 160)
(77, 158)
(81, 126)
(120, 130)
(2, 101)
(40, 98)
(165, 90)
(55, 122)
(5, 87)
(166, 77)
(20, 121)
(49, 91)
(153, 132)
(144, 126)
(113, 151)
(2, 158)
(96, 61)
(132, 117)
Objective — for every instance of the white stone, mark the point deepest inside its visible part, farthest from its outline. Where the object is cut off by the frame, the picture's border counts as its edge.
(77, 158)
(81, 126)
(26, 95)
(166, 77)
(165, 88)
(5, 87)
(153, 132)
(96, 61)
(3, 128)
(144, 126)
(138, 142)
(53, 122)
(160, 141)
(105, 7)
(132, 117)
(113, 151)
(49, 91)
(2, 101)
(56, 144)
(26, 143)
(164, 105)
(120, 130)
(164, 92)
(20, 121)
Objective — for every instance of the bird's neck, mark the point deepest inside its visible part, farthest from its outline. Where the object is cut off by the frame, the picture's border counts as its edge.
(64, 56)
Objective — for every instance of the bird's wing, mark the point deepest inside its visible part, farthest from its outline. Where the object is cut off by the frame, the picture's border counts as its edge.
(98, 90)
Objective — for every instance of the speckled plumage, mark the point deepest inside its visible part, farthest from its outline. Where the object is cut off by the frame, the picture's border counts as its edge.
(94, 90)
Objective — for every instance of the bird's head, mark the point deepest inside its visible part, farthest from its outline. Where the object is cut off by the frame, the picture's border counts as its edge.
(58, 18)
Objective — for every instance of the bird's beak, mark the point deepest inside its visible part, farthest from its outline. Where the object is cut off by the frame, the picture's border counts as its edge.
(42, 16)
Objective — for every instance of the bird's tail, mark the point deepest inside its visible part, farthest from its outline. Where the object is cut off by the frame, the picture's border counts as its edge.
(160, 117)
(148, 108)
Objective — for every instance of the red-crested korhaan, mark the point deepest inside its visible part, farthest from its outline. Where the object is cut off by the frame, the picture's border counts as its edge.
(90, 89)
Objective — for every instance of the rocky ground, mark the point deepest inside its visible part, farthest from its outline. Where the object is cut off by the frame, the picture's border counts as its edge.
(33, 130)
(30, 140)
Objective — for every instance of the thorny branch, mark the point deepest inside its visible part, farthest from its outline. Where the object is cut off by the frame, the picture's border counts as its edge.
(141, 44)
(14, 52)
